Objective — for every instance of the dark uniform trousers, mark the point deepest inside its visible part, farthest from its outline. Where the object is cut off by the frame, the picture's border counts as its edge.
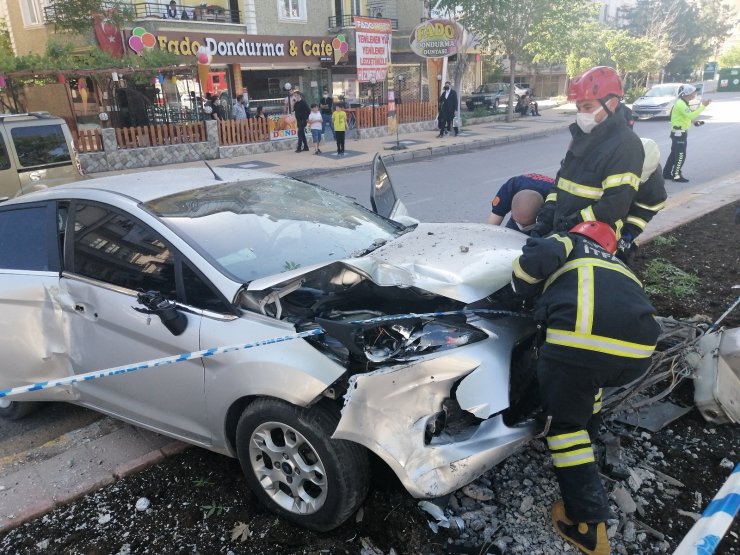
(601, 332)
(677, 157)
(571, 398)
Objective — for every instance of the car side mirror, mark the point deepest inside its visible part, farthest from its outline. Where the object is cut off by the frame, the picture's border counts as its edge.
(383, 196)
(156, 303)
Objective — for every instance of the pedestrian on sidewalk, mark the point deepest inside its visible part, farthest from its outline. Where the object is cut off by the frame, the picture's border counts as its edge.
(681, 118)
(326, 105)
(447, 110)
(302, 111)
(316, 122)
(339, 121)
(600, 332)
(600, 174)
(238, 110)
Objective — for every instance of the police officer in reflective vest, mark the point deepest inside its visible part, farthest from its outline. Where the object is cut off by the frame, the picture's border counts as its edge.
(599, 176)
(601, 332)
(681, 117)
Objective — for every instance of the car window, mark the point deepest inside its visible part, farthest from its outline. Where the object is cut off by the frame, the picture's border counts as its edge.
(112, 247)
(4, 158)
(663, 90)
(40, 144)
(199, 294)
(23, 239)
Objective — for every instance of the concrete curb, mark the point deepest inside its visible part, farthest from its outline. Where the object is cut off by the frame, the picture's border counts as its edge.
(90, 462)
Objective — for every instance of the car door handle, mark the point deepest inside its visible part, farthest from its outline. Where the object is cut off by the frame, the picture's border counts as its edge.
(79, 308)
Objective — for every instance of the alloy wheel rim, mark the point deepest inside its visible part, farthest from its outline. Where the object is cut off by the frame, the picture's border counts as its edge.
(288, 468)
(4, 403)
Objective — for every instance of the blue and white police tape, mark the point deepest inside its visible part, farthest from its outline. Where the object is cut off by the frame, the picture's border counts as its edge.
(705, 535)
(153, 363)
(228, 349)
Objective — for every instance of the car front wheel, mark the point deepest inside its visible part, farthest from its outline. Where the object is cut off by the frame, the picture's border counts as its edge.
(494, 107)
(296, 469)
(14, 410)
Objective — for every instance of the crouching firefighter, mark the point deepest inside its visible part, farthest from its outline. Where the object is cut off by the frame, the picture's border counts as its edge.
(600, 332)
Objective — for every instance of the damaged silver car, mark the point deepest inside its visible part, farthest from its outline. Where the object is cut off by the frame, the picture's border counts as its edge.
(417, 357)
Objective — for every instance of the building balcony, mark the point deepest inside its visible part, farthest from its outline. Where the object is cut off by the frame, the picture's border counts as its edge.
(347, 21)
(213, 12)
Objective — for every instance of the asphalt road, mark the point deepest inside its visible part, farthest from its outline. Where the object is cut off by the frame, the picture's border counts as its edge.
(458, 188)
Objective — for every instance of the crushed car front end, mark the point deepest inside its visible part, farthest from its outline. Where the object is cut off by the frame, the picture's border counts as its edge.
(439, 364)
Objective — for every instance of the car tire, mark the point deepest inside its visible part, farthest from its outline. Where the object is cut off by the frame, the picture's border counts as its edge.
(15, 410)
(339, 470)
(494, 106)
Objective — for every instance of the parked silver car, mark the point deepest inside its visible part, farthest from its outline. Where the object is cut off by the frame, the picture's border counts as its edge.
(658, 101)
(417, 357)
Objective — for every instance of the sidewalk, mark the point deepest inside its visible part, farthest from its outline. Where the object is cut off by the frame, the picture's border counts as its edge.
(82, 461)
(360, 152)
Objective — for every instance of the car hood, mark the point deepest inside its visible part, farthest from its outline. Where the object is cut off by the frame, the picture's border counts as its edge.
(463, 262)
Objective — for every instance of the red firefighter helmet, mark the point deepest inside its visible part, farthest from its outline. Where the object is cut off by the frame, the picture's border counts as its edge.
(595, 84)
(598, 232)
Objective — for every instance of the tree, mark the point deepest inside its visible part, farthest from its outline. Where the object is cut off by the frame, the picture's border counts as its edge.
(689, 32)
(74, 15)
(730, 57)
(6, 48)
(508, 26)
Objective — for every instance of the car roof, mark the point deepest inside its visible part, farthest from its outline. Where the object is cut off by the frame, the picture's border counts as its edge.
(144, 186)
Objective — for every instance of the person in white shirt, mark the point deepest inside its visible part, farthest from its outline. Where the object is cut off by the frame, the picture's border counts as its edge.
(316, 122)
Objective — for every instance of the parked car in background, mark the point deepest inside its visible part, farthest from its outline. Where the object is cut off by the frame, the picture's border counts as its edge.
(36, 152)
(659, 100)
(488, 95)
(411, 347)
(520, 89)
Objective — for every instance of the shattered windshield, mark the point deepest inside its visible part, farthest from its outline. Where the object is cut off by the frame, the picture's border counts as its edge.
(261, 227)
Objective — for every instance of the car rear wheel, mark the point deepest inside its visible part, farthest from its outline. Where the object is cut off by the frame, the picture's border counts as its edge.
(14, 410)
(296, 469)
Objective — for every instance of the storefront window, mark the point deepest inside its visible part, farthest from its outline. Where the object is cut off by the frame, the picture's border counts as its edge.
(292, 10)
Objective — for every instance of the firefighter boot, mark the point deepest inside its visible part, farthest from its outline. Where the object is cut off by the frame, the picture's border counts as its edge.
(590, 538)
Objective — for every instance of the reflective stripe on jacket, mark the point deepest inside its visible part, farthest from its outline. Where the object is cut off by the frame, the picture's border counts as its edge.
(598, 178)
(594, 307)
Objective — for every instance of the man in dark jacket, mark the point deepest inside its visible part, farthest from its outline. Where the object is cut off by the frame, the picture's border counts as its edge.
(447, 110)
(601, 332)
(599, 175)
(523, 196)
(301, 111)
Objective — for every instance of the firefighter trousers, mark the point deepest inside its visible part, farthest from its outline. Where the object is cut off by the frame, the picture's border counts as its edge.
(571, 399)
(677, 157)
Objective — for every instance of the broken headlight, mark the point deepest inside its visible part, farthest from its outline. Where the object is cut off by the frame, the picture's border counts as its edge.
(401, 339)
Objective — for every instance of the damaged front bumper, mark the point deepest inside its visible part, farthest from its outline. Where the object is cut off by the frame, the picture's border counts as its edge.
(395, 412)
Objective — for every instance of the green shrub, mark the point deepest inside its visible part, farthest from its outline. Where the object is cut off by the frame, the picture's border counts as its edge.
(663, 278)
(630, 95)
(665, 240)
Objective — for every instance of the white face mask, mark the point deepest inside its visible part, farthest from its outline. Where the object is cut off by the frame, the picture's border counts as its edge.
(525, 228)
(587, 121)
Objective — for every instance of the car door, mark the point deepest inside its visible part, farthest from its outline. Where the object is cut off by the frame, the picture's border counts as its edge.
(10, 185)
(109, 256)
(33, 342)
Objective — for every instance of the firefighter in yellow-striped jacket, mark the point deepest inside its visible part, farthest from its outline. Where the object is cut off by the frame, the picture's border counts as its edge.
(599, 176)
(600, 332)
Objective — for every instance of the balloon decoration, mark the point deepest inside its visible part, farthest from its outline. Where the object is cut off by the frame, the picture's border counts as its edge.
(141, 38)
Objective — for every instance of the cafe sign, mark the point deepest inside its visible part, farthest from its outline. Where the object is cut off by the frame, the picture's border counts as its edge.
(436, 38)
(235, 48)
